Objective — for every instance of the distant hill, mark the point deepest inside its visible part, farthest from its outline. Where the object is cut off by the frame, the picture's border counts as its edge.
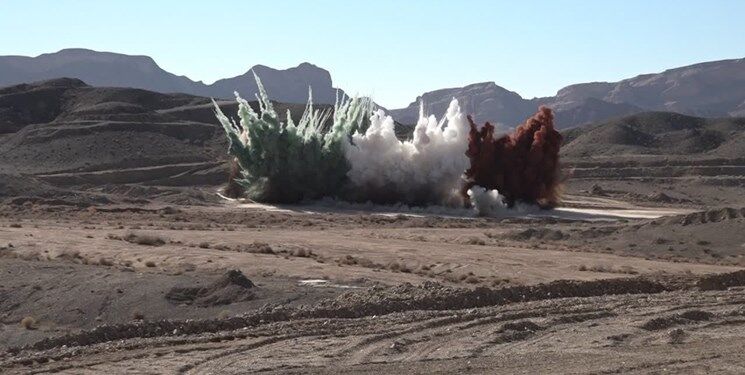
(106, 69)
(481, 100)
(287, 86)
(711, 89)
(658, 133)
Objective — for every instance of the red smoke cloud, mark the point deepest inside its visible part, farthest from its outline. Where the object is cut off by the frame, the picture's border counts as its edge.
(522, 166)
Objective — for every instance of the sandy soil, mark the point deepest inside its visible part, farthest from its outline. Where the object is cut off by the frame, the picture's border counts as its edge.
(142, 285)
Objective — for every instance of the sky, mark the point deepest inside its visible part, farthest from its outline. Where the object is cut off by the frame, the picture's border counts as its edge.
(392, 50)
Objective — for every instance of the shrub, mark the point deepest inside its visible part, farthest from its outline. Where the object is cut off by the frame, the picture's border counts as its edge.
(105, 262)
(144, 239)
(28, 322)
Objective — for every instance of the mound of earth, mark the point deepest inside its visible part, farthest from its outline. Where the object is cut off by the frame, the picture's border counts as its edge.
(702, 217)
(686, 317)
(232, 287)
(721, 281)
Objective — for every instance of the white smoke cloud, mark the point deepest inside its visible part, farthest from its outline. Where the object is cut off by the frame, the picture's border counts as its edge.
(426, 169)
(486, 202)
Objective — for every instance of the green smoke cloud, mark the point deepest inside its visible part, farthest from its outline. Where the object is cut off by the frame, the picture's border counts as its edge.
(284, 162)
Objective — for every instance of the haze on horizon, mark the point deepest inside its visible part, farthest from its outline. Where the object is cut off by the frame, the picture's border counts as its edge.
(391, 50)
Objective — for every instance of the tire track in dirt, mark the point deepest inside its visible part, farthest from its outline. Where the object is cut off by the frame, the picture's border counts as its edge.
(435, 324)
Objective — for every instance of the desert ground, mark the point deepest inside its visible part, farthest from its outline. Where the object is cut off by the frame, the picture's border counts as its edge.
(107, 280)
(117, 254)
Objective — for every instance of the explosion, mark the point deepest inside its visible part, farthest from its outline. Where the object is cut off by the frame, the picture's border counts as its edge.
(424, 170)
(288, 162)
(522, 166)
(353, 154)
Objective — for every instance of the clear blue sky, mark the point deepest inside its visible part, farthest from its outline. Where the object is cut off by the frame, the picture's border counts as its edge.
(392, 50)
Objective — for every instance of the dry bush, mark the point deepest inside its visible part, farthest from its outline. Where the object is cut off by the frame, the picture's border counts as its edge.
(475, 241)
(627, 270)
(350, 260)
(452, 278)
(394, 266)
(262, 248)
(150, 263)
(677, 336)
(472, 280)
(469, 278)
(204, 245)
(145, 239)
(33, 255)
(105, 262)
(347, 260)
(256, 248)
(28, 322)
(602, 268)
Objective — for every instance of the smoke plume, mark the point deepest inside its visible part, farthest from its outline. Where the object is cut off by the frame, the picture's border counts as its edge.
(354, 155)
(424, 170)
(288, 162)
(522, 166)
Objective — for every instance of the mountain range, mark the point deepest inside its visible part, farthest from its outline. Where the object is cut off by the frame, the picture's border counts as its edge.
(107, 69)
(710, 89)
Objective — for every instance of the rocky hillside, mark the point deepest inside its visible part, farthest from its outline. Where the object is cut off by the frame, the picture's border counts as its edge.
(484, 101)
